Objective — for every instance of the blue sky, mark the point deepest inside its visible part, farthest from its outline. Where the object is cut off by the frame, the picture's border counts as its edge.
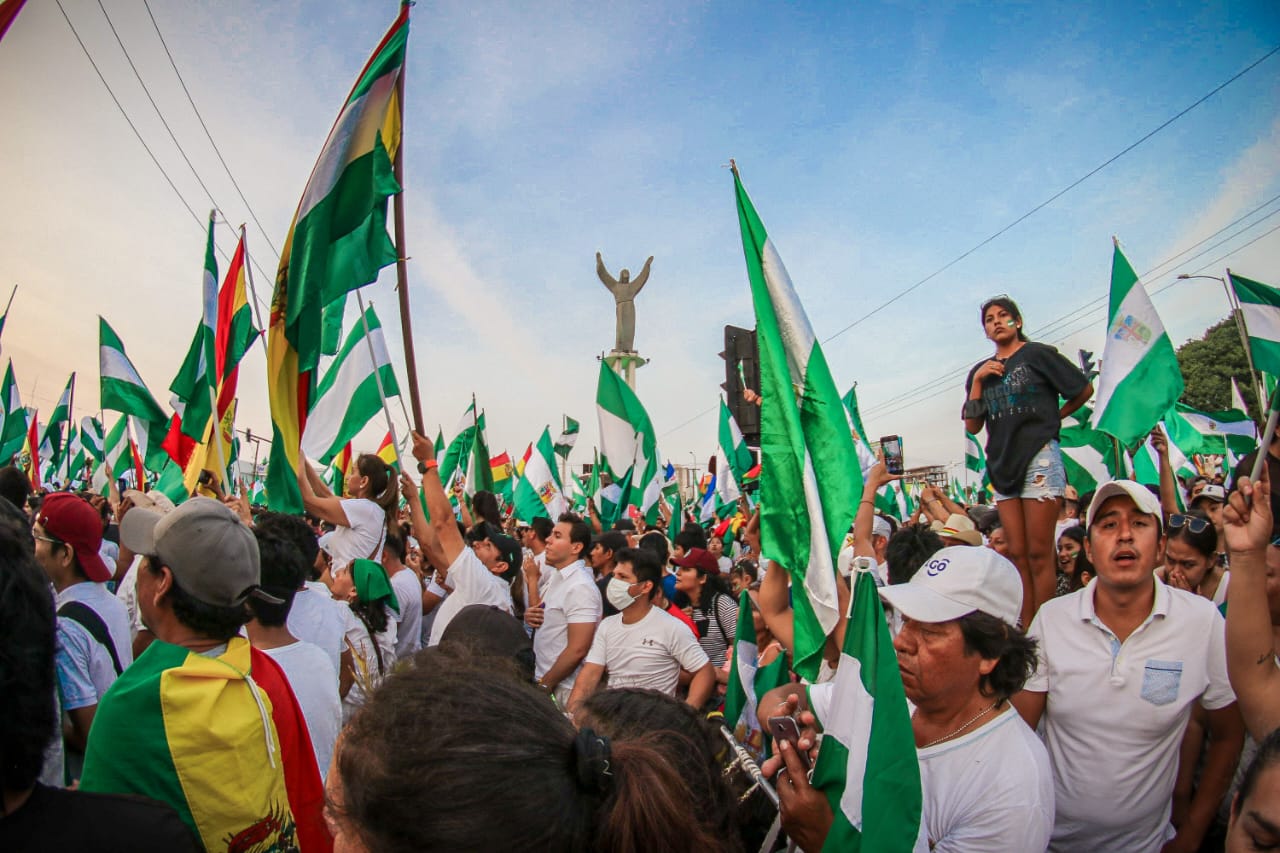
(878, 142)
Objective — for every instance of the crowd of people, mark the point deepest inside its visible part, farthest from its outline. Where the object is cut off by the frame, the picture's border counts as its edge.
(399, 669)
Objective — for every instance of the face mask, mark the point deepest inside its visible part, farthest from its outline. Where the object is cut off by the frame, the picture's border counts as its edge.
(617, 594)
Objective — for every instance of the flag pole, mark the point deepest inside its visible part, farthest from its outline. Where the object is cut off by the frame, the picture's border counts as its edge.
(248, 274)
(71, 419)
(402, 268)
(215, 434)
(1264, 446)
(7, 306)
(1242, 327)
(377, 377)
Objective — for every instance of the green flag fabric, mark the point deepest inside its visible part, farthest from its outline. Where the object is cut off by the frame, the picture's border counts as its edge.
(628, 445)
(568, 437)
(1260, 307)
(1140, 378)
(538, 492)
(810, 481)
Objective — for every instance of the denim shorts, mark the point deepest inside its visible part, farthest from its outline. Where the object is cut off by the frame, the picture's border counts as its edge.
(1046, 477)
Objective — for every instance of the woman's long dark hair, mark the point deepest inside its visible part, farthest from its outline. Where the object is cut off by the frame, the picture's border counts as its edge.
(382, 485)
(1007, 304)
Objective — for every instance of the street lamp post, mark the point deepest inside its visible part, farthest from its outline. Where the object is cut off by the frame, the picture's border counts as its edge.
(1258, 389)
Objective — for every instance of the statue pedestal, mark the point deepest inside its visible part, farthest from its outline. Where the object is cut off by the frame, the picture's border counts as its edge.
(624, 364)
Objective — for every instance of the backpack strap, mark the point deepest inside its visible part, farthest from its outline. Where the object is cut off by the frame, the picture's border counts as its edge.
(85, 616)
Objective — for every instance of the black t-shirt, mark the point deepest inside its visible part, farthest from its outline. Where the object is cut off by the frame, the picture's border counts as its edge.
(58, 819)
(1022, 409)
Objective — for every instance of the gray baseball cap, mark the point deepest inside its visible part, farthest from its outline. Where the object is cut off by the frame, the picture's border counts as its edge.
(213, 556)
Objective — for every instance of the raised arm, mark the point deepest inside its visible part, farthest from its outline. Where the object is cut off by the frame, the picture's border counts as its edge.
(605, 279)
(1251, 650)
(443, 529)
(1168, 488)
(321, 503)
(862, 522)
(638, 281)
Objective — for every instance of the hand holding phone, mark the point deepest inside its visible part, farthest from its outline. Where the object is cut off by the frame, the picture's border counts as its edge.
(786, 728)
(891, 446)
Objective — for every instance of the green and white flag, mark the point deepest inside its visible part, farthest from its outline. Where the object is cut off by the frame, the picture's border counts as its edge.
(538, 492)
(628, 446)
(51, 440)
(1218, 432)
(568, 437)
(1140, 378)
(867, 765)
(732, 462)
(124, 391)
(347, 397)
(116, 456)
(479, 473)
(457, 453)
(1260, 307)
(850, 401)
(194, 386)
(76, 457)
(975, 459)
(1088, 456)
(91, 437)
(748, 681)
(810, 483)
(13, 425)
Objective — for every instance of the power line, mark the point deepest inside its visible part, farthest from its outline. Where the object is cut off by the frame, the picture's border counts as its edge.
(208, 135)
(1055, 196)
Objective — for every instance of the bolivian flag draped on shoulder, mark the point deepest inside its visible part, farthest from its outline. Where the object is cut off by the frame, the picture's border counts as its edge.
(810, 483)
(338, 241)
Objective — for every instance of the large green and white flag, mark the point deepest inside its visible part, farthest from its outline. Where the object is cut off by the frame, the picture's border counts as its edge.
(13, 425)
(195, 385)
(1088, 456)
(628, 445)
(456, 454)
(568, 437)
(1260, 307)
(733, 460)
(748, 681)
(975, 459)
(850, 401)
(538, 492)
(347, 397)
(867, 765)
(1140, 379)
(810, 483)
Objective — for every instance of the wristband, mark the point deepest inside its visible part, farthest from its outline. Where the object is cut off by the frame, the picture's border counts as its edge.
(424, 467)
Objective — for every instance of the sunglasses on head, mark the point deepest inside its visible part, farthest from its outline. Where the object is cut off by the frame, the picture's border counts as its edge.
(1193, 523)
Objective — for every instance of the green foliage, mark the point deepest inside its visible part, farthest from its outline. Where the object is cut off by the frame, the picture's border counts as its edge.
(1209, 364)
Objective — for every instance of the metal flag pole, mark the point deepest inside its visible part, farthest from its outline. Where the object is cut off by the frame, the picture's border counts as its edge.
(1259, 389)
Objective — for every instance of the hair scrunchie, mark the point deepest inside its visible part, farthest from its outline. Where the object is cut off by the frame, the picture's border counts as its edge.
(592, 759)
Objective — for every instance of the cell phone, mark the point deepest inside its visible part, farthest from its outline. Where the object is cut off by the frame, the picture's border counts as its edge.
(892, 447)
(785, 728)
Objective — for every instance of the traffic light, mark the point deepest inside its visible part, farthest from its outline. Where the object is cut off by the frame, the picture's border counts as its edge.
(742, 371)
(1087, 364)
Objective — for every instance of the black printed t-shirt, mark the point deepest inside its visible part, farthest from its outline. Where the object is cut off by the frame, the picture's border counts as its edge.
(1022, 409)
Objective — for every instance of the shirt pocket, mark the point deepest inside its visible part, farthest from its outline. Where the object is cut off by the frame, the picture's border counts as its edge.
(1160, 681)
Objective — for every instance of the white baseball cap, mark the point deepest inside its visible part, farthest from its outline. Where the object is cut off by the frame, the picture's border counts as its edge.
(957, 581)
(1138, 493)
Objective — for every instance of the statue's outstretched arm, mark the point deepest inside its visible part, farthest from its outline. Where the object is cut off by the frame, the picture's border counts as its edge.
(606, 279)
(638, 281)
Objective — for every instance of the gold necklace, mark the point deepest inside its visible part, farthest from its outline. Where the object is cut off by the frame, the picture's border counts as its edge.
(979, 715)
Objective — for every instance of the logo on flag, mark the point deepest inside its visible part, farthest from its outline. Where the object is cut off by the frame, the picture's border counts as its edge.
(546, 493)
(1130, 328)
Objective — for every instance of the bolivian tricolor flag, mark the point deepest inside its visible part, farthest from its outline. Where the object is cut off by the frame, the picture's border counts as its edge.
(387, 452)
(338, 241)
(342, 467)
(220, 739)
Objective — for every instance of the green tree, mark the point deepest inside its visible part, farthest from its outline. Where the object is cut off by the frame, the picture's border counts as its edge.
(1208, 366)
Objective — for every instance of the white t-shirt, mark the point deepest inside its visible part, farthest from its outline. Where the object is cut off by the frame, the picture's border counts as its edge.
(315, 684)
(988, 790)
(127, 592)
(649, 653)
(570, 599)
(364, 659)
(83, 665)
(469, 582)
(408, 590)
(363, 537)
(317, 619)
(1115, 712)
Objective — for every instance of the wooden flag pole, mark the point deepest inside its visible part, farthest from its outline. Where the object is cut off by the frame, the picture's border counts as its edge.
(402, 269)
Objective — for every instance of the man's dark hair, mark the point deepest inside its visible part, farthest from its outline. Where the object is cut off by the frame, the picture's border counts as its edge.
(908, 549)
(579, 530)
(282, 573)
(690, 539)
(395, 545)
(27, 632)
(612, 540)
(14, 486)
(657, 543)
(295, 530)
(1015, 653)
(1268, 754)
(542, 527)
(208, 620)
(644, 563)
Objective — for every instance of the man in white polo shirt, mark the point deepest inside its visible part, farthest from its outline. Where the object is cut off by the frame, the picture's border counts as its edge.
(570, 608)
(1121, 661)
(984, 774)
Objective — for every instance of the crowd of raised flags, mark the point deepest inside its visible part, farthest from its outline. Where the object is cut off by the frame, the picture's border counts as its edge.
(806, 484)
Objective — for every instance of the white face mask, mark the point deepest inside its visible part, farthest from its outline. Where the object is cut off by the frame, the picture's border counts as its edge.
(616, 592)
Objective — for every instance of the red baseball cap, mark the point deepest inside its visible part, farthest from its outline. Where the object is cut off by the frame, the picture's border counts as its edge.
(700, 559)
(69, 518)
